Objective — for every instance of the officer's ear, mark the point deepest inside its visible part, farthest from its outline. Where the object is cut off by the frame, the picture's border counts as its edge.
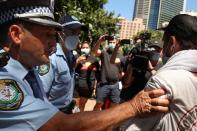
(15, 33)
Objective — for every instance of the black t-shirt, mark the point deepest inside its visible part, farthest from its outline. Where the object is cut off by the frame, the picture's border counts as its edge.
(110, 73)
(88, 72)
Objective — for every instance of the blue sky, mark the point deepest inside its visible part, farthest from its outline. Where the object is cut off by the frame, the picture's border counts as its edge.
(125, 7)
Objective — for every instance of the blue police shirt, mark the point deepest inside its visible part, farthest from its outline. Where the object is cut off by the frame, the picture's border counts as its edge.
(19, 109)
(57, 79)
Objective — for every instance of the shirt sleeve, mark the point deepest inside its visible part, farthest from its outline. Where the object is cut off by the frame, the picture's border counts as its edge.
(142, 124)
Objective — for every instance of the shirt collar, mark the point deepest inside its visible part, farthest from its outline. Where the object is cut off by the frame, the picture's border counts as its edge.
(16, 67)
(59, 51)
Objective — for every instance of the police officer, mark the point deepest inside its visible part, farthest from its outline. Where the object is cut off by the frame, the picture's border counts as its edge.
(27, 31)
(58, 75)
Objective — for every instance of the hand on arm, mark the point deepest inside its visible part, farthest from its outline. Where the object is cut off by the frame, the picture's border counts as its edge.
(141, 104)
(148, 101)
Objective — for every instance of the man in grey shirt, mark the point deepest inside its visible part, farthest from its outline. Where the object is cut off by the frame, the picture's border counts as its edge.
(178, 76)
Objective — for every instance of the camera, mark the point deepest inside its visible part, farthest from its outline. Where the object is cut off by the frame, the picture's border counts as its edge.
(145, 36)
(139, 60)
(108, 37)
(125, 41)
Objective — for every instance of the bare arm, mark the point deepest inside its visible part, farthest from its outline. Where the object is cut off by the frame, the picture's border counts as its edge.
(97, 45)
(127, 79)
(151, 68)
(101, 120)
(113, 59)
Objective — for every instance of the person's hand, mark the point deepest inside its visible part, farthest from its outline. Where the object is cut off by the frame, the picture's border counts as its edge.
(81, 59)
(102, 38)
(118, 43)
(148, 101)
(150, 66)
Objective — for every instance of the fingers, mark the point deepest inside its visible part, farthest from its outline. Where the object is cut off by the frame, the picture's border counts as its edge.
(159, 105)
(159, 109)
(159, 102)
(156, 93)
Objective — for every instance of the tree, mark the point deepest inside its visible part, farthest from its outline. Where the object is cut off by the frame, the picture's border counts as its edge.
(155, 35)
(90, 13)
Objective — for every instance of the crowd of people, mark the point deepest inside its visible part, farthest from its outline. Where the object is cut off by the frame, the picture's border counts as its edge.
(47, 75)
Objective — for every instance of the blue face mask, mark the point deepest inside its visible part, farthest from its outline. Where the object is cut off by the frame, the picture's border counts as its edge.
(111, 45)
(85, 51)
(71, 42)
(155, 56)
(165, 59)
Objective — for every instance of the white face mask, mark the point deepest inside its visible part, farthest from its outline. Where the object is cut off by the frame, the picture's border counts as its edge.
(85, 51)
(71, 42)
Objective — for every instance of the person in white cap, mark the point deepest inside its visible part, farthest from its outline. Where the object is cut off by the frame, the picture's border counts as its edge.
(58, 75)
(27, 31)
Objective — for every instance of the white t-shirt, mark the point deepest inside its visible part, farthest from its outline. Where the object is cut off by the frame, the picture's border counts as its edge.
(181, 86)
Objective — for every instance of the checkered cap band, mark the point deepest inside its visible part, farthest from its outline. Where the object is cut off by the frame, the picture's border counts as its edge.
(25, 12)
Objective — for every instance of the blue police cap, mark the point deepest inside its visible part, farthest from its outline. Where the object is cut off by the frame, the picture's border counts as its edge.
(36, 11)
(70, 22)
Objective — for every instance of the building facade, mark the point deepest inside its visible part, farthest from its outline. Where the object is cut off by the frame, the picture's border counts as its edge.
(155, 12)
(169, 9)
(130, 28)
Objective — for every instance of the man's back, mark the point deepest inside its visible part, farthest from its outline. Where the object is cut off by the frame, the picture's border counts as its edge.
(181, 84)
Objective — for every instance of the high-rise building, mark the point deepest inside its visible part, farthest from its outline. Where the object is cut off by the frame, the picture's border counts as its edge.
(130, 28)
(155, 12)
(141, 10)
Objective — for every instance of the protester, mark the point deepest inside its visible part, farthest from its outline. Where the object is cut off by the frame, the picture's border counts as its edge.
(178, 77)
(58, 75)
(87, 74)
(134, 79)
(135, 68)
(155, 57)
(28, 36)
(108, 86)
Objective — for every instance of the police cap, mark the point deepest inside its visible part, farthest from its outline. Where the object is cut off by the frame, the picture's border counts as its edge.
(36, 11)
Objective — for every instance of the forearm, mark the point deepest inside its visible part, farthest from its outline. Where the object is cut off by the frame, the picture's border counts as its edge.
(102, 120)
(114, 55)
(97, 120)
(96, 47)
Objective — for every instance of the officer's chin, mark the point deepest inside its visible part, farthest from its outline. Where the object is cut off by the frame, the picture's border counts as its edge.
(44, 60)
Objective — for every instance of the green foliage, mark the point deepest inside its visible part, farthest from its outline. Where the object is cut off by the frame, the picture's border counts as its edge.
(155, 34)
(90, 13)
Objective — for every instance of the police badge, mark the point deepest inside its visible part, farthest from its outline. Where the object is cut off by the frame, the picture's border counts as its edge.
(43, 69)
(11, 96)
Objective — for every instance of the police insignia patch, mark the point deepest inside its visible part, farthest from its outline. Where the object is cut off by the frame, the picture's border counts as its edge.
(43, 69)
(11, 96)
